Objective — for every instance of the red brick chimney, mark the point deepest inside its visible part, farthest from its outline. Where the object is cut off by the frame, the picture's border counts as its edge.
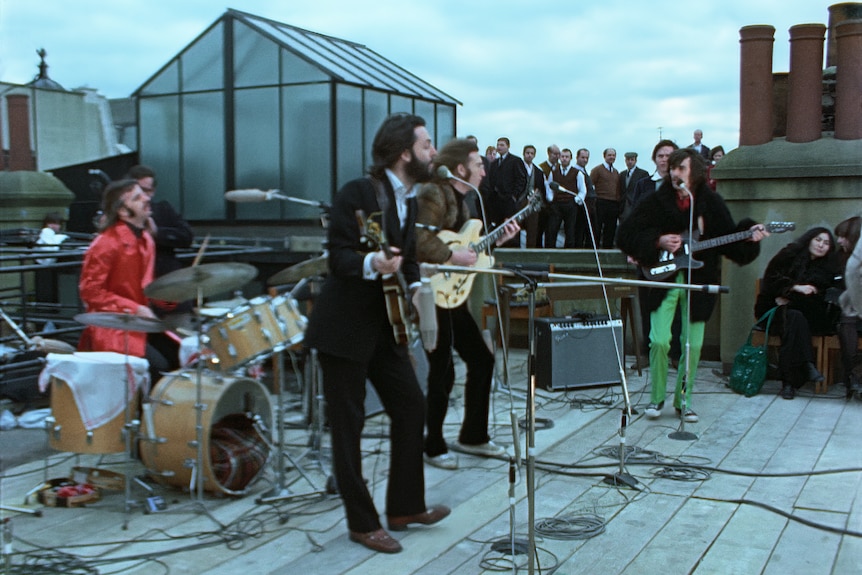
(755, 85)
(20, 154)
(848, 80)
(805, 83)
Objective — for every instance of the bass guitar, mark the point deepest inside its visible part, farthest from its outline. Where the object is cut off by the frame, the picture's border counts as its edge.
(670, 263)
(399, 309)
(451, 289)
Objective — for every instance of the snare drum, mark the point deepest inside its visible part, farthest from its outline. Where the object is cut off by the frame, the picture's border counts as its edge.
(245, 333)
(234, 453)
(92, 394)
(291, 321)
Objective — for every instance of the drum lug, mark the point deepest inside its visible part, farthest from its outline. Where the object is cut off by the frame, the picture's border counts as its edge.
(231, 350)
(89, 437)
(53, 428)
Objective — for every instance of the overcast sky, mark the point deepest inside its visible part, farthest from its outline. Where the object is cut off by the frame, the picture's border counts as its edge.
(576, 73)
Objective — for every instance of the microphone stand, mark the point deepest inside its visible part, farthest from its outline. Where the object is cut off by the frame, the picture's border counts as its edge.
(681, 434)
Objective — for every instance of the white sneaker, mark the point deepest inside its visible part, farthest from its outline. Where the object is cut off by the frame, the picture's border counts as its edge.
(443, 461)
(489, 449)
(653, 410)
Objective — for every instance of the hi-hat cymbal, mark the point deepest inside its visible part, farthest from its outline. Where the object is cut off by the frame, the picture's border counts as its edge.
(315, 266)
(123, 321)
(206, 279)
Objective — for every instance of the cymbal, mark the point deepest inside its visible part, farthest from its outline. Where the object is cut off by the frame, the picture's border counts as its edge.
(312, 267)
(122, 321)
(208, 279)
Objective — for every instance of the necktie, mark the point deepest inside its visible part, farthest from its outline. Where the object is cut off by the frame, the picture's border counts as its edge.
(628, 177)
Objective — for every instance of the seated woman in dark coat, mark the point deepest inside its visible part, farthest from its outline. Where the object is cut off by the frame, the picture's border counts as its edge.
(796, 280)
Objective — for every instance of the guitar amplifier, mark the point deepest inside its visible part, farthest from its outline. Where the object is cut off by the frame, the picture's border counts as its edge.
(572, 353)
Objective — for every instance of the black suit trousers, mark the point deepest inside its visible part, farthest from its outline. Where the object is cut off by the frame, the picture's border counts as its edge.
(456, 329)
(392, 375)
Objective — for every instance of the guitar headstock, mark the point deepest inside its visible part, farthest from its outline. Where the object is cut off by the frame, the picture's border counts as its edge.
(780, 227)
(535, 201)
(371, 234)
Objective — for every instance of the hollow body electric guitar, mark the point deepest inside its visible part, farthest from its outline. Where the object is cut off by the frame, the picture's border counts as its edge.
(400, 310)
(451, 289)
(668, 263)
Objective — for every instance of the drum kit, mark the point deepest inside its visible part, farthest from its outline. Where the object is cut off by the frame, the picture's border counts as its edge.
(225, 446)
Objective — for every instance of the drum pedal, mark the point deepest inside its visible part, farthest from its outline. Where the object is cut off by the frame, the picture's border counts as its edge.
(155, 504)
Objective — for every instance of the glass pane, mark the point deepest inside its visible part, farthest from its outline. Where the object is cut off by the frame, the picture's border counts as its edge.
(257, 150)
(375, 112)
(401, 104)
(203, 64)
(202, 152)
(255, 58)
(445, 124)
(307, 155)
(295, 70)
(166, 82)
(349, 145)
(159, 144)
(425, 110)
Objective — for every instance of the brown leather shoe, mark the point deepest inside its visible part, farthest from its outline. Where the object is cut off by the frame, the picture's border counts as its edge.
(378, 540)
(429, 517)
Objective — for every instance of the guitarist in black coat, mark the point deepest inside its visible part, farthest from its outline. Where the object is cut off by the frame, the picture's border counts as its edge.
(442, 207)
(659, 222)
(354, 339)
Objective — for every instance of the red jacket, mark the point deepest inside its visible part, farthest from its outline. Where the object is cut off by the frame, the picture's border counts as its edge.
(117, 267)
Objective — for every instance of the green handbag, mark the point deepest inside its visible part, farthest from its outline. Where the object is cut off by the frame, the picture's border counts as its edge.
(751, 362)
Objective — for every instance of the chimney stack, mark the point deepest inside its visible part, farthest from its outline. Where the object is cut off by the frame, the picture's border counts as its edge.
(848, 80)
(755, 85)
(20, 153)
(805, 83)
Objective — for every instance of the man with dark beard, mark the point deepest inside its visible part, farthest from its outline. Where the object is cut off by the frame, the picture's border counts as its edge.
(441, 206)
(355, 341)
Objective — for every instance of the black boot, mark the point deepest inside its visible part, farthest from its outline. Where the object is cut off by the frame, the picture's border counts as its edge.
(787, 391)
(814, 376)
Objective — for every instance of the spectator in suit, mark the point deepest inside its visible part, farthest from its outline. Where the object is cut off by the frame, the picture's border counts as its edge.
(547, 167)
(699, 146)
(606, 180)
(564, 206)
(535, 183)
(503, 186)
(586, 217)
(628, 181)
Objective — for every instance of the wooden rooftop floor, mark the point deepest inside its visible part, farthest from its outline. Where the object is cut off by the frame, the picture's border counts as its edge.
(771, 486)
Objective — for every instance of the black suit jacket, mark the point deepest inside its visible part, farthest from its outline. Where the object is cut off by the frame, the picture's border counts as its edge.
(349, 315)
(637, 174)
(704, 150)
(503, 186)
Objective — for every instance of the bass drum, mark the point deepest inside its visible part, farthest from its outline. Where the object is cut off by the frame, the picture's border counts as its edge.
(234, 453)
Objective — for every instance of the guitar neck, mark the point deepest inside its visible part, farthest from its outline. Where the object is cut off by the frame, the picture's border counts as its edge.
(698, 246)
(482, 245)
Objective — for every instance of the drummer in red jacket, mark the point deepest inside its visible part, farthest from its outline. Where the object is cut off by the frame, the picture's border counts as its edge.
(117, 267)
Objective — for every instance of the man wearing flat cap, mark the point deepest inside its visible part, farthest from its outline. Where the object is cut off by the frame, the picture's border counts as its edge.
(628, 179)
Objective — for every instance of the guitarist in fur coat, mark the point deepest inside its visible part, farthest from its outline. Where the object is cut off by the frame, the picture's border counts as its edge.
(658, 223)
(441, 206)
(352, 333)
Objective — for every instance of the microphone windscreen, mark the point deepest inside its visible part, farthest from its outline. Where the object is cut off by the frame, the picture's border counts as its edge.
(444, 173)
(246, 196)
(554, 186)
(427, 316)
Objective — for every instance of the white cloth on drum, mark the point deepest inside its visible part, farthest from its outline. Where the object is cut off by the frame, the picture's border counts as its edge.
(189, 349)
(98, 382)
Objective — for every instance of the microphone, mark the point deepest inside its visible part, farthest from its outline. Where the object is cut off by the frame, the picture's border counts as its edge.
(558, 188)
(427, 315)
(249, 195)
(427, 270)
(444, 173)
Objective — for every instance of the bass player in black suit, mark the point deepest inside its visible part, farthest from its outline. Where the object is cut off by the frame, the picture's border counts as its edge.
(350, 328)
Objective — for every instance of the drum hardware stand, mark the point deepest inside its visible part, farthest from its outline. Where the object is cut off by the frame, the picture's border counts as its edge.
(279, 491)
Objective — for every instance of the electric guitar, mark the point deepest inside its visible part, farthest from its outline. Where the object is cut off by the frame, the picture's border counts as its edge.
(669, 263)
(399, 309)
(451, 289)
